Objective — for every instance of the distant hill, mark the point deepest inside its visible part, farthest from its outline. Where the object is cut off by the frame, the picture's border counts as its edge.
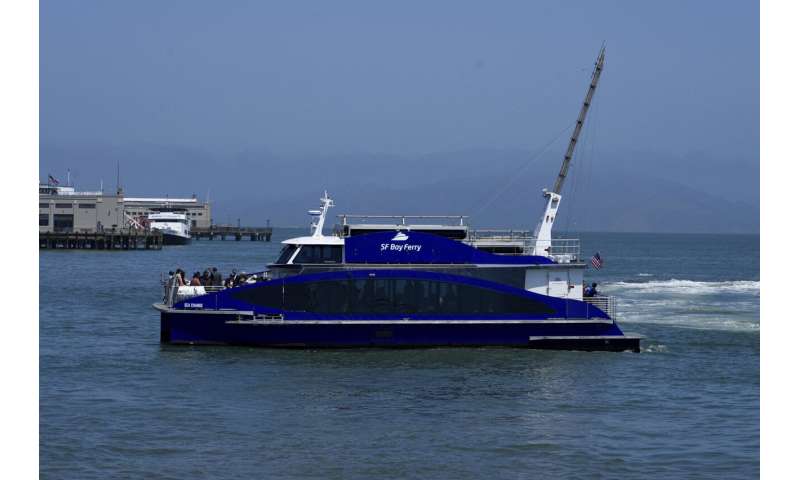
(499, 188)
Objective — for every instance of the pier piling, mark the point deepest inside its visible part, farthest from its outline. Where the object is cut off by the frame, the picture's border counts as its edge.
(222, 232)
(126, 240)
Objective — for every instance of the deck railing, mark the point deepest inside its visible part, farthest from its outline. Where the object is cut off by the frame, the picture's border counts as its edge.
(174, 293)
(453, 220)
(564, 250)
(501, 235)
(605, 303)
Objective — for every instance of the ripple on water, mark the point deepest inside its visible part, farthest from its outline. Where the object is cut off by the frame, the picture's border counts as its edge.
(114, 403)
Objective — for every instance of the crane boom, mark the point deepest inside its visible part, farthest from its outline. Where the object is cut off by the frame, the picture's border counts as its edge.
(543, 231)
(562, 174)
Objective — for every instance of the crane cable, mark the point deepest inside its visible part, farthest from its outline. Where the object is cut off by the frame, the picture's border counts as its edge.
(583, 175)
(517, 174)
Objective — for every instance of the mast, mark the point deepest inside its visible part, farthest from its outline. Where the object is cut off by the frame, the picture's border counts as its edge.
(598, 69)
(544, 229)
(318, 220)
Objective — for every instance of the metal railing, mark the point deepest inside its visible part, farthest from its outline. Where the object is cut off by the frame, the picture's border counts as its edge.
(565, 248)
(174, 293)
(607, 304)
(500, 235)
(558, 246)
(403, 219)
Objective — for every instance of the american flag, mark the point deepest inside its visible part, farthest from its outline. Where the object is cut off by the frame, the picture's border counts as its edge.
(52, 180)
(597, 262)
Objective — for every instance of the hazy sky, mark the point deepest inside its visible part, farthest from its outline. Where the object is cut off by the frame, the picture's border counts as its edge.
(397, 76)
(401, 79)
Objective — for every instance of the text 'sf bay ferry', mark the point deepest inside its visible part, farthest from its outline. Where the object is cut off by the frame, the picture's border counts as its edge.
(408, 282)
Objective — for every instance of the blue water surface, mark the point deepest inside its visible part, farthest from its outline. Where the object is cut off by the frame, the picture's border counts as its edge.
(115, 403)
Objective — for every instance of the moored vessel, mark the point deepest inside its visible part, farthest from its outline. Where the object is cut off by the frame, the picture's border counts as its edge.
(402, 281)
(174, 227)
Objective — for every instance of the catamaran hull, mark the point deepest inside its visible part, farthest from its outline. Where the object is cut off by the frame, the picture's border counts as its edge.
(217, 328)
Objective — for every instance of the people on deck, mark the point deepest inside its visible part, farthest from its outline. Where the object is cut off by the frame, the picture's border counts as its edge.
(211, 277)
(180, 276)
(590, 291)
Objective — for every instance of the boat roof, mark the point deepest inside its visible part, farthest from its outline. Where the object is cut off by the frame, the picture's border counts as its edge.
(315, 240)
(159, 200)
(156, 216)
(400, 226)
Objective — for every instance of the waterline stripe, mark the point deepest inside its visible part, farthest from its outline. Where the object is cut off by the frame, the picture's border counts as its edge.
(412, 322)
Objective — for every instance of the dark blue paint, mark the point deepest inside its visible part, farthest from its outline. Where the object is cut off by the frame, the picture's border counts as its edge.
(202, 328)
(425, 248)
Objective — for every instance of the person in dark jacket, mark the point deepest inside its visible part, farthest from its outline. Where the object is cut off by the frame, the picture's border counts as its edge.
(216, 277)
(590, 291)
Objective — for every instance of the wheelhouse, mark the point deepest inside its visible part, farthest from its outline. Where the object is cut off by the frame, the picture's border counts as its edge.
(306, 250)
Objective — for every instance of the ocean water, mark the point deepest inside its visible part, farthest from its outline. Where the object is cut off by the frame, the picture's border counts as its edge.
(115, 403)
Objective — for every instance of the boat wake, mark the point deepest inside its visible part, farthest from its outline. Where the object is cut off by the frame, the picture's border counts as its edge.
(722, 305)
(690, 287)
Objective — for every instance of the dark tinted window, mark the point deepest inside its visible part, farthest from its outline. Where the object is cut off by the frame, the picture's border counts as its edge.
(44, 219)
(63, 205)
(319, 254)
(286, 254)
(168, 220)
(63, 223)
(86, 205)
(44, 205)
(391, 296)
(270, 295)
(512, 277)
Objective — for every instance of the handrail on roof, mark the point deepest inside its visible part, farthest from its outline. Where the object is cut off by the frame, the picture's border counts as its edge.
(461, 218)
(500, 233)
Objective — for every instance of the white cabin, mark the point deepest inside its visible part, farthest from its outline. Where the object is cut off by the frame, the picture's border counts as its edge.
(170, 223)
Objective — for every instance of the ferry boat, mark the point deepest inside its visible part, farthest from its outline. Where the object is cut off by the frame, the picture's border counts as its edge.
(401, 281)
(174, 227)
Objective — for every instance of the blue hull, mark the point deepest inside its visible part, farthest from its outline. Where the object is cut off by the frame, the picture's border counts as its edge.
(229, 329)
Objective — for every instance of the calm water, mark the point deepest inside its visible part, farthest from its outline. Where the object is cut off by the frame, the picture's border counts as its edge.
(114, 403)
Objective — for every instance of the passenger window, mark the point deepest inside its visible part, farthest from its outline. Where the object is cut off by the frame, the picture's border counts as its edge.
(306, 255)
(396, 296)
(286, 254)
(319, 254)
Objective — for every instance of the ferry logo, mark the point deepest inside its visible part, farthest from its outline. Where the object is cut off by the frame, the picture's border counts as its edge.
(400, 237)
(404, 247)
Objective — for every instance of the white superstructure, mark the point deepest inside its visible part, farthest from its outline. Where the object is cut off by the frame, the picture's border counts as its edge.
(318, 246)
(170, 223)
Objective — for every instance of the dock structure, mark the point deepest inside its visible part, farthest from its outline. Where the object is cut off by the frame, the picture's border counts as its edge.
(115, 240)
(263, 234)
